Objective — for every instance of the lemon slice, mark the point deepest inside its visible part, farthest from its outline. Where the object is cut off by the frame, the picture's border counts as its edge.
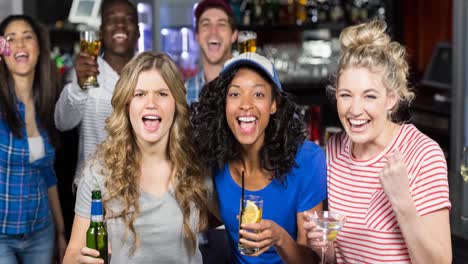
(333, 232)
(332, 235)
(252, 214)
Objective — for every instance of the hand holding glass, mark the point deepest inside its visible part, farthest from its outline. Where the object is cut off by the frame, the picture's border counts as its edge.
(329, 223)
(90, 43)
(252, 213)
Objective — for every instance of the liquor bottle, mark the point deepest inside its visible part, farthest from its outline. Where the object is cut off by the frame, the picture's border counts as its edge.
(301, 15)
(287, 12)
(258, 15)
(247, 11)
(323, 10)
(236, 7)
(274, 8)
(96, 236)
(312, 11)
(315, 133)
(336, 11)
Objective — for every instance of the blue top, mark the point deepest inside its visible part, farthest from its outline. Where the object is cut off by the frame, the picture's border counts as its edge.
(194, 86)
(303, 189)
(24, 204)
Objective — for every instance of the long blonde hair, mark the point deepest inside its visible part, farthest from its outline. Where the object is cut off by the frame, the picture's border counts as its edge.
(368, 45)
(120, 153)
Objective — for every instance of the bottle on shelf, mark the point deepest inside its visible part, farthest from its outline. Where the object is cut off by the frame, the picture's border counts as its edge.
(236, 8)
(336, 10)
(323, 10)
(270, 11)
(312, 11)
(301, 15)
(247, 10)
(258, 14)
(96, 236)
(287, 12)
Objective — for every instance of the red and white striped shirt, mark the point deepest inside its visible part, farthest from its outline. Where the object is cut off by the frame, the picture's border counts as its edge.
(371, 233)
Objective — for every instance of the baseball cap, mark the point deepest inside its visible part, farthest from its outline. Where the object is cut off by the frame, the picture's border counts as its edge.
(205, 4)
(254, 60)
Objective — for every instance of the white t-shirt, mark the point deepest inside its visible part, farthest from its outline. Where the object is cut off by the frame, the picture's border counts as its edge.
(36, 148)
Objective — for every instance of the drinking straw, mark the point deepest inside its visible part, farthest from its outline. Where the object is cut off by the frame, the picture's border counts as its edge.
(242, 201)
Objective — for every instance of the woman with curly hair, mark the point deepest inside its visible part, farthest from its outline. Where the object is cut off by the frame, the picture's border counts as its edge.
(259, 135)
(388, 178)
(154, 192)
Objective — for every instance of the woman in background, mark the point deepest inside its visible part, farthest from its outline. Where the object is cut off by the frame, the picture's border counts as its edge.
(28, 192)
(154, 193)
(258, 132)
(388, 178)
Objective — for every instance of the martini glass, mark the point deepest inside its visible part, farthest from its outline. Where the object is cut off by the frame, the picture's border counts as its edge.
(329, 223)
(464, 174)
(464, 164)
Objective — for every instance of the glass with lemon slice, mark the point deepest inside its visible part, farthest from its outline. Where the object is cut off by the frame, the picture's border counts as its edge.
(253, 207)
(329, 223)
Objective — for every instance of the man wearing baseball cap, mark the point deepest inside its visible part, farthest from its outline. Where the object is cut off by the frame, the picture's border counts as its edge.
(215, 33)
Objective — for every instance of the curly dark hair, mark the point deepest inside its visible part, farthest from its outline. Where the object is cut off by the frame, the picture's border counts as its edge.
(283, 135)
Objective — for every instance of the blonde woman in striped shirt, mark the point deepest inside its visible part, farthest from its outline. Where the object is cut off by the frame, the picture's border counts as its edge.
(387, 177)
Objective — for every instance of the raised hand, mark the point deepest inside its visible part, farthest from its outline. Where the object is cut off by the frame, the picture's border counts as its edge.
(85, 66)
(394, 178)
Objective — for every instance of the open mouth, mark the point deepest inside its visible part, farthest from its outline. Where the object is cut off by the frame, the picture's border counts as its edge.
(358, 124)
(247, 124)
(151, 122)
(214, 45)
(21, 57)
(120, 37)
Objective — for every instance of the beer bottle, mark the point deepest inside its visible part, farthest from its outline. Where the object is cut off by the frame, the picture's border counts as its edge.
(96, 236)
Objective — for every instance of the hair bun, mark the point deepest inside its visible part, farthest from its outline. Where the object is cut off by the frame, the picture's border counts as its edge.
(366, 34)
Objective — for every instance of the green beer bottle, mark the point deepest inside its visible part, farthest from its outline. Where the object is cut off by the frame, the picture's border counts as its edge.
(96, 236)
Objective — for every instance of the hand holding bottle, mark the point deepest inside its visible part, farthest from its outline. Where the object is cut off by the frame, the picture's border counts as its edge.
(96, 236)
(89, 256)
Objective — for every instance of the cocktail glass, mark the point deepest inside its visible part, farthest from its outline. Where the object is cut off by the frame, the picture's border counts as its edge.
(464, 164)
(329, 223)
(464, 174)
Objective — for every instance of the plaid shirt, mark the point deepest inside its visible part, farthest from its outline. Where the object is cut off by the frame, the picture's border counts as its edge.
(194, 86)
(24, 205)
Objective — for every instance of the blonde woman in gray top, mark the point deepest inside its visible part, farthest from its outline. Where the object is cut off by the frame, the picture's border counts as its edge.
(154, 193)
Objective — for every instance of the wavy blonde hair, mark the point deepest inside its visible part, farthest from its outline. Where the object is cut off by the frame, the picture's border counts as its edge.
(368, 45)
(121, 156)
